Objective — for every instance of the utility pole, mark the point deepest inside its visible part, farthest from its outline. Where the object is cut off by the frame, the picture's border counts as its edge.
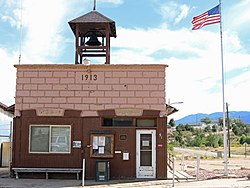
(228, 131)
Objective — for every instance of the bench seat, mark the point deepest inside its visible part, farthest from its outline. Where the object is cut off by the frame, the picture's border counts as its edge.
(47, 171)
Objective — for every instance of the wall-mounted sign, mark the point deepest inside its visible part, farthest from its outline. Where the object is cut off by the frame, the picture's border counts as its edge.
(128, 112)
(89, 77)
(77, 144)
(123, 137)
(49, 112)
(145, 143)
(126, 156)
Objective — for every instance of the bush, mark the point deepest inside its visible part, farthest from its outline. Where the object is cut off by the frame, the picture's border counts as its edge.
(170, 147)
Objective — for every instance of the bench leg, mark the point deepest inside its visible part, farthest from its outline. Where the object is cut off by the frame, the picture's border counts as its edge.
(47, 175)
(77, 176)
(17, 177)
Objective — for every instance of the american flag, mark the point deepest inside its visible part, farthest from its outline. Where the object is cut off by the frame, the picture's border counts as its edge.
(210, 17)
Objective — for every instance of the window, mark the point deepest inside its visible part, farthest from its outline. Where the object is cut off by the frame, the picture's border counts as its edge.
(145, 122)
(102, 145)
(50, 138)
(118, 122)
(129, 122)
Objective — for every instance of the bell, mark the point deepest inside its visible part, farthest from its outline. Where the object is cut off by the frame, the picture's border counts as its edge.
(93, 41)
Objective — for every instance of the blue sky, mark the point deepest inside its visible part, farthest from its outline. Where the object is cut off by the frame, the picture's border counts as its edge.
(148, 31)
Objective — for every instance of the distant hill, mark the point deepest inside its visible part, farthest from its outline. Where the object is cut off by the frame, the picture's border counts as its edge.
(195, 118)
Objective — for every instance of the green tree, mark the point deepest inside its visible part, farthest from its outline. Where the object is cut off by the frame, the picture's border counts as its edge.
(245, 139)
(214, 128)
(189, 128)
(212, 140)
(197, 141)
(207, 128)
(180, 128)
(206, 120)
(172, 122)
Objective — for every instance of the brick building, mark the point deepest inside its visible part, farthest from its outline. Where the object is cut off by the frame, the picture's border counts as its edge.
(112, 113)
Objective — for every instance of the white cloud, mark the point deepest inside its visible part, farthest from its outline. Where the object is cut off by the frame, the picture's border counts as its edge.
(7, 74)
(43, 38)
(11, 20)
(184, 10)
(116, 2)
(10, 13)
(174, 12)
(237, 17)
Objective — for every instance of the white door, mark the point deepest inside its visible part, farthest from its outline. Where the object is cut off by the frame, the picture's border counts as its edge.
(145, 154)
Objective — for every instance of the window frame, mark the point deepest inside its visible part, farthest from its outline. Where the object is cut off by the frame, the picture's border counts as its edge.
(50, 136)
(116, 118)
(134, 122)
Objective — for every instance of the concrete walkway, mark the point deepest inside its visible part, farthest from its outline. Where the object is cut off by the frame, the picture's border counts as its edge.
(5, 181)
(55, 183)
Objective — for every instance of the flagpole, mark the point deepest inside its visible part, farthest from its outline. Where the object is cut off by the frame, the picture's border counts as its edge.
(223, 99)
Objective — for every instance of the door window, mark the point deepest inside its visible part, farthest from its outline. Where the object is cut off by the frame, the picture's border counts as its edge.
(146, 150)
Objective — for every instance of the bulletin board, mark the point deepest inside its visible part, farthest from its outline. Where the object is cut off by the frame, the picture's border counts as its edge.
(102, 145)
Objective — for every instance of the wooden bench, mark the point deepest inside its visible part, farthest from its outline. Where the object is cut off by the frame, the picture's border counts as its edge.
(47, 171)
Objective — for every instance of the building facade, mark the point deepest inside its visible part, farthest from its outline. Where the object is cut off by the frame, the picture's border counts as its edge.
(114, 113)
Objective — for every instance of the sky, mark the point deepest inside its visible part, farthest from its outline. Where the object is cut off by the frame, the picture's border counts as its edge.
(148, 31)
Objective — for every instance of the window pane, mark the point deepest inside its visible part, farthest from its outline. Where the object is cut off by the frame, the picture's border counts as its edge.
(60, 139)
(146, 150)
(145, 122)
(107, 122)
(39, 139)
(122, 122)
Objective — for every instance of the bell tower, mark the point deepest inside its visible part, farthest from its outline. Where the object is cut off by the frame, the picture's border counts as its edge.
(92, 35)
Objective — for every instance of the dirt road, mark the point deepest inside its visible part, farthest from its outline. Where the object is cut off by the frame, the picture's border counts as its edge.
(204, 152)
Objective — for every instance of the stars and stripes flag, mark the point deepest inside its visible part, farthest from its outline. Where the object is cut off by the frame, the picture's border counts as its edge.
(210, 17)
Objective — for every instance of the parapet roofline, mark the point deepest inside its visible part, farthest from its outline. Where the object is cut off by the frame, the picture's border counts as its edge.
(82, 66)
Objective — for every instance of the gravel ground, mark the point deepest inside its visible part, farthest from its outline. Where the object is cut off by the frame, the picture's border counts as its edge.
(212, 169)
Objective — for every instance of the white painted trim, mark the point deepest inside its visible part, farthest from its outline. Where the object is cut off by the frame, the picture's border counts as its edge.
(138, 133)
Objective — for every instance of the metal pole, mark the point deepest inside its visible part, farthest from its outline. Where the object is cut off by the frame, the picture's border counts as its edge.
(83, 172)
(245, 151)
(94, 5)
(10, 156)
(223, 99)
(182, 162)
(173, 170)
(228, 132)
(198, 167)
(245, 144)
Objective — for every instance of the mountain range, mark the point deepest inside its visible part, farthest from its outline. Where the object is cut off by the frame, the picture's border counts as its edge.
(195, 118)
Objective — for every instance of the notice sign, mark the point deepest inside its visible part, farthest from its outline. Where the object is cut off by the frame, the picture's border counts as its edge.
(125, 156)
(95, 142)
(145, 143)
(101, 150)
(101, 141)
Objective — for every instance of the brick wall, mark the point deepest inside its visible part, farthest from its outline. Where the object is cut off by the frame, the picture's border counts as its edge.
(90, 88)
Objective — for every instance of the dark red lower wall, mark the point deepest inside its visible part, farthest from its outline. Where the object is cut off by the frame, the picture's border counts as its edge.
(80, 130)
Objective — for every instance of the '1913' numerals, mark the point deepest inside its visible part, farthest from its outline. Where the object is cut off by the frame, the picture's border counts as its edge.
(90, 77)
